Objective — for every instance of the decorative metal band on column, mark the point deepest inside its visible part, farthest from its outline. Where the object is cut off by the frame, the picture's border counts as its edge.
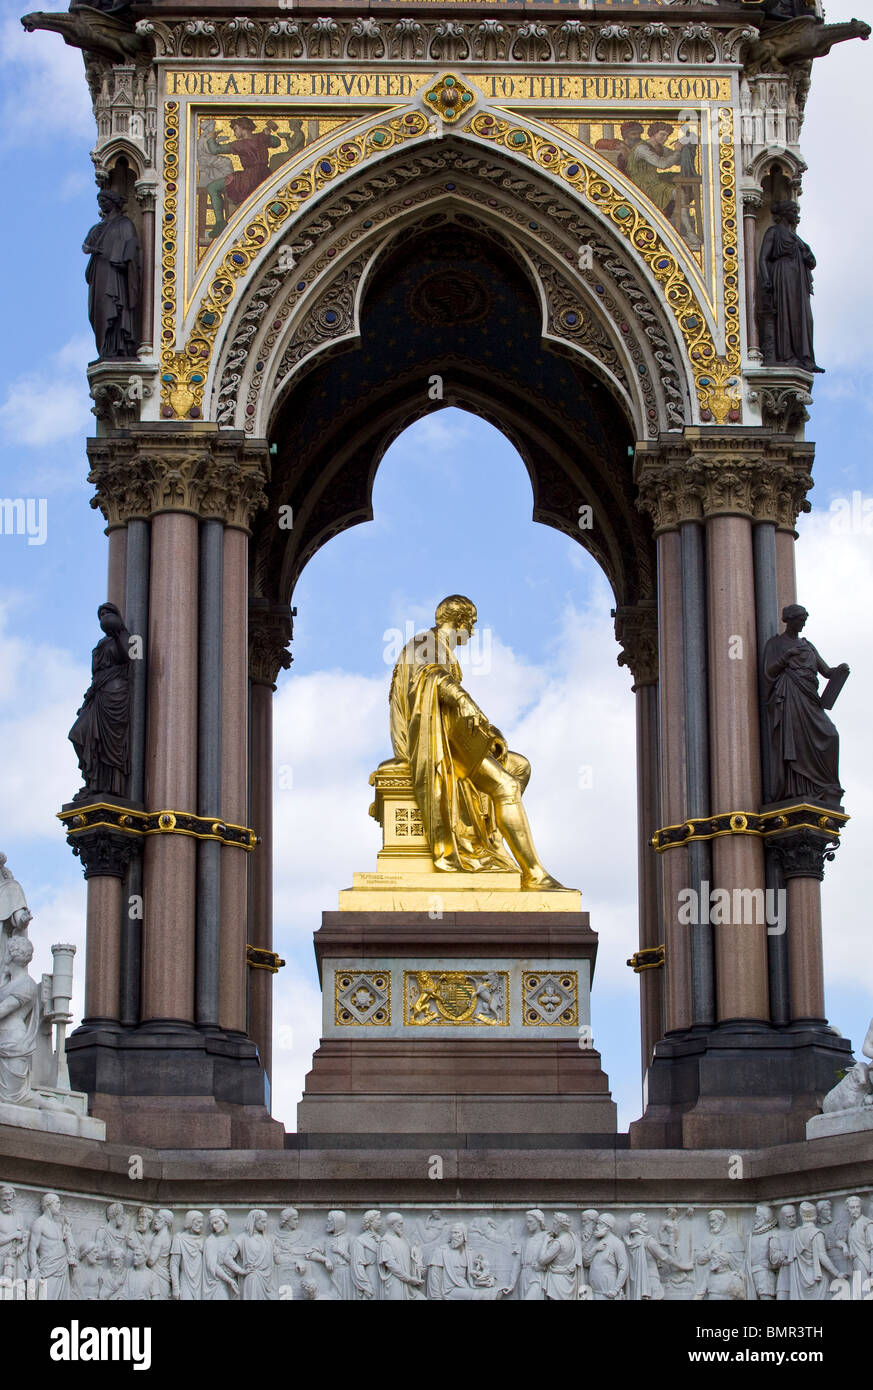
(800, 817)
(107, 815)
(260, 959)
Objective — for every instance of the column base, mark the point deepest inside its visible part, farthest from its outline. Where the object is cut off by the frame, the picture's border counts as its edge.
(169, 1084)
(738, 1085)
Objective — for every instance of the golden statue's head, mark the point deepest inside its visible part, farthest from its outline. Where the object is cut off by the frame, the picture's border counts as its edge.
(458, 613)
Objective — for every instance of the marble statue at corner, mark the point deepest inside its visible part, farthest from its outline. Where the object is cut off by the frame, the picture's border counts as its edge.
(804, 744)
(848, 1107)
(14, 912)
(113, 275)
(468, 784)
(34, 1081)
(19, 1025)
(101, 733)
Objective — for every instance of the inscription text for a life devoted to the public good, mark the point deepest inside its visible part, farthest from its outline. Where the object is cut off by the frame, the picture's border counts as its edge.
(516, 86)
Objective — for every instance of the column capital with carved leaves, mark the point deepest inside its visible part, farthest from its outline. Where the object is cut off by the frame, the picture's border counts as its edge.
(271, 628)
(720, 473)
(210, 474)
(636, 631)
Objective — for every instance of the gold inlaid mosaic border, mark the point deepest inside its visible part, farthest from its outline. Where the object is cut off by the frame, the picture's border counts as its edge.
(717, 377)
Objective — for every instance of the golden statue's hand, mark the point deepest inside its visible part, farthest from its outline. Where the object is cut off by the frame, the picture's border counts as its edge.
(471, 714)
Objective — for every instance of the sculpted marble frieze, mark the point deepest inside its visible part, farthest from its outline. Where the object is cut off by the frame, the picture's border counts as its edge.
(62, 1247)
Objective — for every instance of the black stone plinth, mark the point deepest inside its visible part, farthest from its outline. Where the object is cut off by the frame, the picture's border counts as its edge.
(166, 1059)
(168, 1082)
(741, 1084)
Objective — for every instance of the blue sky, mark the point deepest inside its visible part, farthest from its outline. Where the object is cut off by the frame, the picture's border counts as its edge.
(553, 683)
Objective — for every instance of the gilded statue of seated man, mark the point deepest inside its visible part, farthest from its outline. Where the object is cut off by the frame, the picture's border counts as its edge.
(467, 783)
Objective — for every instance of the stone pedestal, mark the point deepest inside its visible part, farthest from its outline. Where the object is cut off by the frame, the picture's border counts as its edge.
(477, 1023)
(453, 1003)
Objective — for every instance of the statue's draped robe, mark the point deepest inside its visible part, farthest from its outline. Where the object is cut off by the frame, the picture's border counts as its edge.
(804, 744)
(562, 1271)
(395, 1260)
(254, 1254)
(532, 1277)
(785, 265)
(100, 734)
(18, 1032)
(365, 1267)
(215, 1247)
(188, 1248)
(458, 820)
(113, 277)
(51, 1245)
(809, 1282)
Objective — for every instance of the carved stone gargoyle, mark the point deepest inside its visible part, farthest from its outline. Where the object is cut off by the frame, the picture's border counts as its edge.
(92, 30)
(798, 41)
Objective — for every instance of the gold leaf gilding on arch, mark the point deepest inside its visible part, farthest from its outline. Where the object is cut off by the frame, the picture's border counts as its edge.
(717, 378)
(183, 375)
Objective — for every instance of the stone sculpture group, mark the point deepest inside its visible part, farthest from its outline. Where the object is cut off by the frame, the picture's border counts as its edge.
(116, 1252)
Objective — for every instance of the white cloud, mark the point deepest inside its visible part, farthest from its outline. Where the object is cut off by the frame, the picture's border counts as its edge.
(835, 582)
(41, 687)
(59, 917)
(41, 75)
(53, 404)
(297, 1028)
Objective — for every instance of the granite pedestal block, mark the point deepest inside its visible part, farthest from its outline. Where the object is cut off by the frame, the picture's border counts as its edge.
(478, 1022)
